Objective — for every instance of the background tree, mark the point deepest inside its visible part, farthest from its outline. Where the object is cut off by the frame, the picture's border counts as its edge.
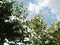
(37, 25)
(41, 34)
(54, 32)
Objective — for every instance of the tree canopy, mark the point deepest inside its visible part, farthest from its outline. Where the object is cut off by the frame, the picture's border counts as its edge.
(15, 27)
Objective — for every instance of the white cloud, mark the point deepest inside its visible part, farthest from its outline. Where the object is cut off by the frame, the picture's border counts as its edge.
(36, 7)
(54, 4)
(58, 17)
(43, 2)
(33, 8)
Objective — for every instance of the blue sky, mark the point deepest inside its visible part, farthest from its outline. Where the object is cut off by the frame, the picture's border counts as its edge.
(49, 8)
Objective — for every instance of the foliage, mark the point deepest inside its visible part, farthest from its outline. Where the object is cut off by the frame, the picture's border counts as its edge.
(37, 25)
(16, 29)
(48, 36)
(12, 16)
(41, 34)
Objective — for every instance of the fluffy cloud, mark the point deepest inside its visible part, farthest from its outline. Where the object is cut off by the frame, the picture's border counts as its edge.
(33, 8)
(54, 4)
(43, 2)
(58, 17)
(36, 7)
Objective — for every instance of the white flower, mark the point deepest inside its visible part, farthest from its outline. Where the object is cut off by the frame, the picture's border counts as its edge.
(1, 1)
(51, 37)
(25, 26)
(6, 43)
(26, 39)
(47, 41)
(6, 20)
(51, 31)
